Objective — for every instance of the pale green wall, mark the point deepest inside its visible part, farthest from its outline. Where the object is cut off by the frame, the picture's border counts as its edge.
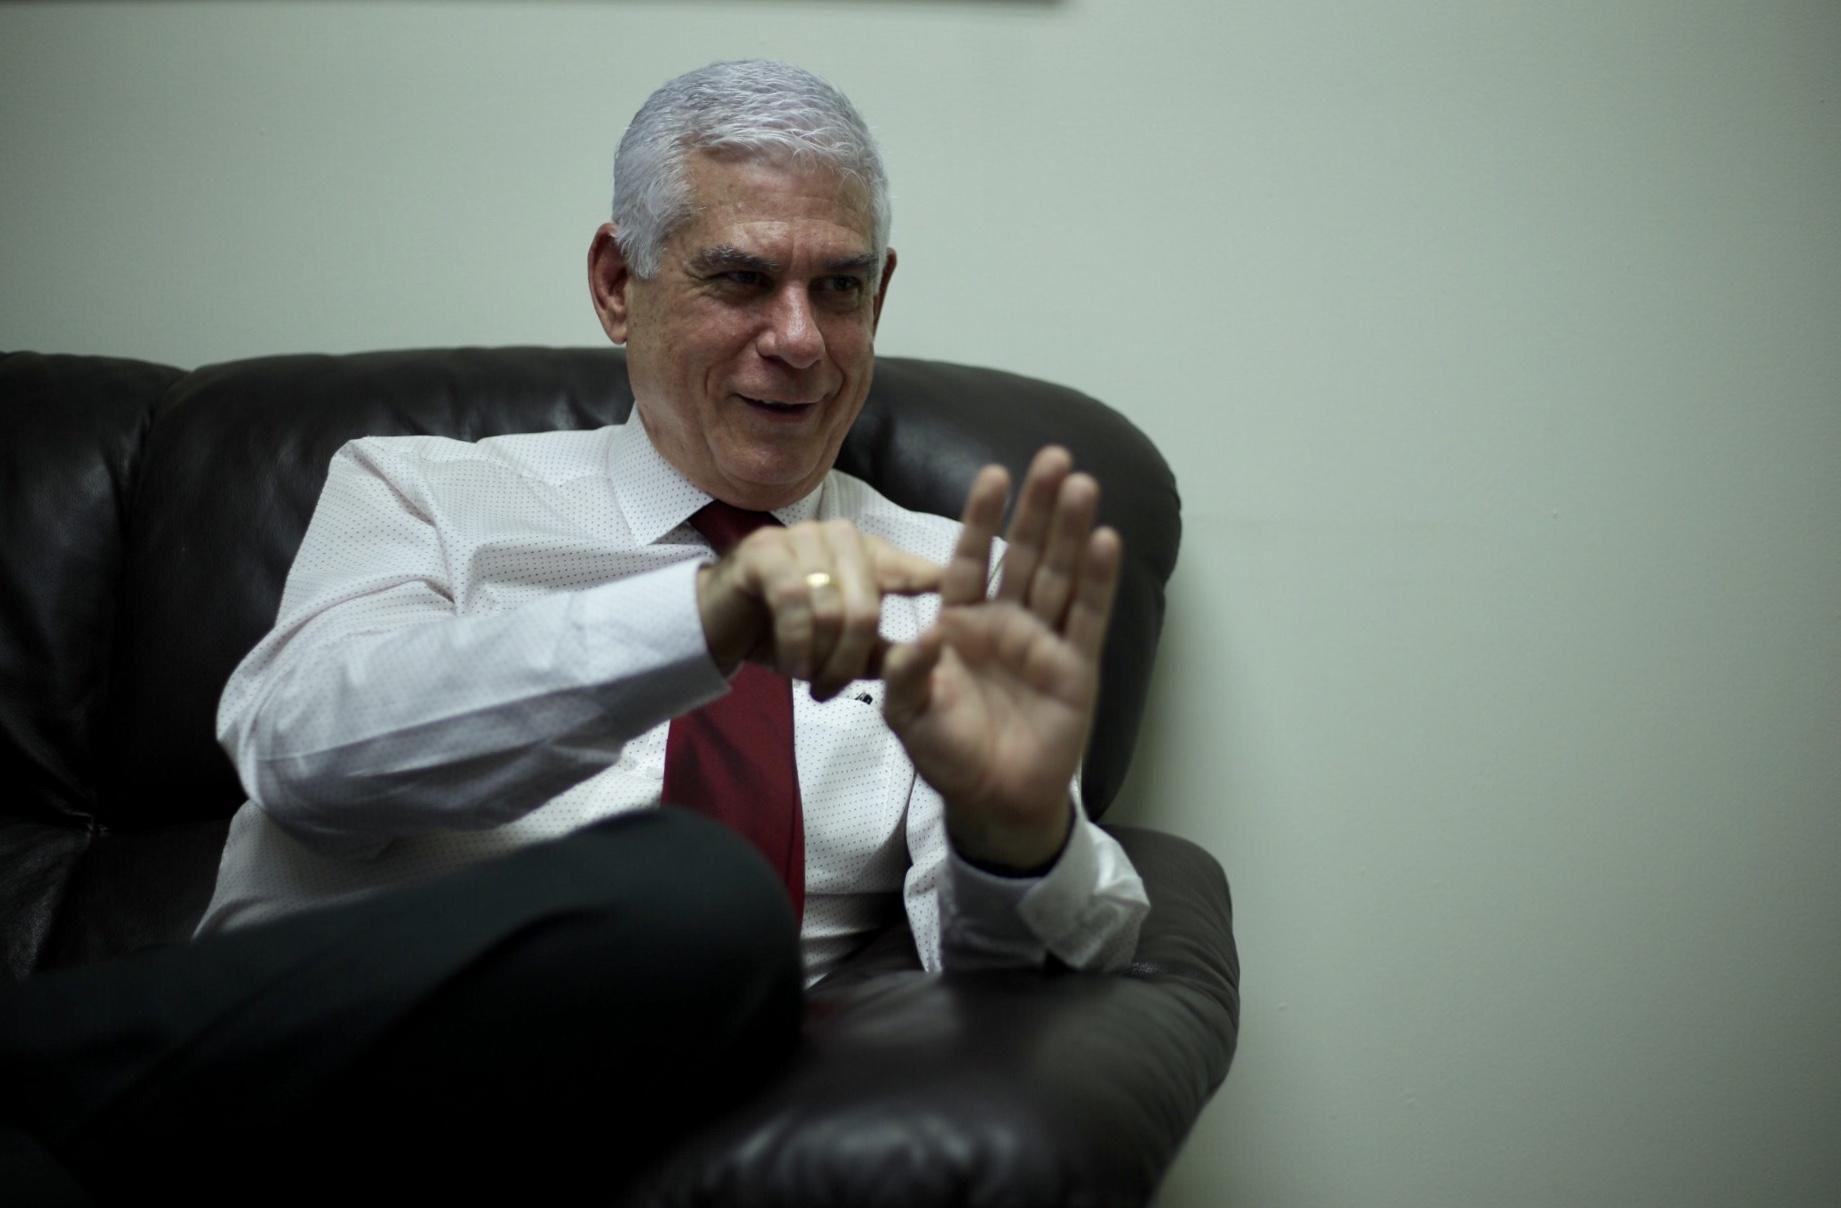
(1497, 348)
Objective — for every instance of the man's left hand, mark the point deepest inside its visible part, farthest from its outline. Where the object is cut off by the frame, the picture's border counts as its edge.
(994, 702)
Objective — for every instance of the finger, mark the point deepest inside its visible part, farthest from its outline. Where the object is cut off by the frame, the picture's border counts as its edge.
(964, 581)
(1052, 585)
(856, 597)
(1099, 583)
(907, 674)
(897, 572)
(878, 657)
(1035, 506)
(803, 633)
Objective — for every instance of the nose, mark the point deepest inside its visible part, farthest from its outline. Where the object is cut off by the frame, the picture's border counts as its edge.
(792, 333)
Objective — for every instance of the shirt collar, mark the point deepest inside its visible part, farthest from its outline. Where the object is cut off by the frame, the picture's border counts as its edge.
(655, 498)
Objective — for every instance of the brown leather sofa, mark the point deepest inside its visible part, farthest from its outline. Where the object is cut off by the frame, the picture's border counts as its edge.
(149, 519)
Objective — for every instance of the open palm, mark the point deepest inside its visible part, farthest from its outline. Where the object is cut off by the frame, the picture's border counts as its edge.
(994, 702)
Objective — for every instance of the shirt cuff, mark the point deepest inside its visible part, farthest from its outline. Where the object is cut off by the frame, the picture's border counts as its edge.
(994, 920)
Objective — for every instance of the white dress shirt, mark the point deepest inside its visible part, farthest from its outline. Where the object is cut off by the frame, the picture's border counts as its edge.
(481, 645)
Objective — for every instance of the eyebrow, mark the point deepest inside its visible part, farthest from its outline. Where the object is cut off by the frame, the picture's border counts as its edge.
(727, 258)
(852, 264)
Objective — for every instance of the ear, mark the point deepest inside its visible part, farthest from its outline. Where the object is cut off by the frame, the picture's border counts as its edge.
(608, 278)
(882, 289)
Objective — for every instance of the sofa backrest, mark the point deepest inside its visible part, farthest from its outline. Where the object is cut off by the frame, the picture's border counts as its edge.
(151, 516)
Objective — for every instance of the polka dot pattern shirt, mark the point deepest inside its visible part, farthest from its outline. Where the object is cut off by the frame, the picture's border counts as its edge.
(481, 645)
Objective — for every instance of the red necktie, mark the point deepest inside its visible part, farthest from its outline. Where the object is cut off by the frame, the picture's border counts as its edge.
(732, 759)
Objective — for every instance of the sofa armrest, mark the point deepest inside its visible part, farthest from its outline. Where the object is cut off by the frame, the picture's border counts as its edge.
(1005, 1087)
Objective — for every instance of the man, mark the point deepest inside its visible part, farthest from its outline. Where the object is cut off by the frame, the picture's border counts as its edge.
(483, 647)
(745, 272)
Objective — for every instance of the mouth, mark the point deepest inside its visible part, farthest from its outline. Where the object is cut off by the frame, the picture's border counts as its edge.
(776, 407)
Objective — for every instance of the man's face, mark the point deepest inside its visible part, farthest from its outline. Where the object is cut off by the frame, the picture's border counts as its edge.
(751, 350)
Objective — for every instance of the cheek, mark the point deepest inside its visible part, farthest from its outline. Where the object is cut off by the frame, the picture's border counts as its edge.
(850, 342)
(710, 347)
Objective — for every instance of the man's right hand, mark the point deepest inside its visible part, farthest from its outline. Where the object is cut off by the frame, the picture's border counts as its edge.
(806, 600)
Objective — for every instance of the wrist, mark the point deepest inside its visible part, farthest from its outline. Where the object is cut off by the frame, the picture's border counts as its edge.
(1013, 850)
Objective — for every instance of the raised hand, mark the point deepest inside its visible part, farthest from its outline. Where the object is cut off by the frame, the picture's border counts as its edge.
(806, 600)
(994, 702)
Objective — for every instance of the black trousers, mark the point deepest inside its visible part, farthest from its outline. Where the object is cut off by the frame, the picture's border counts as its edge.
(540, 1023)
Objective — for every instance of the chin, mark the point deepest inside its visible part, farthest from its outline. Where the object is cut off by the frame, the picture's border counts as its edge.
(773, 467)
(757, 481)
(776, 493)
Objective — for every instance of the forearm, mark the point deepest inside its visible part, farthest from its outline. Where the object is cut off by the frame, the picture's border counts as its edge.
(459, 722)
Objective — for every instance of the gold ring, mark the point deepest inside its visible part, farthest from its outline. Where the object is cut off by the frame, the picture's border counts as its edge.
(817, 579)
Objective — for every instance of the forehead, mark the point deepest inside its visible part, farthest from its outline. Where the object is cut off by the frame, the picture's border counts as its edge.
(767, 205)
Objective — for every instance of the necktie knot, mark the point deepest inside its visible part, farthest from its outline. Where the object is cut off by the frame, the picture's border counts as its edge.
(724, 524)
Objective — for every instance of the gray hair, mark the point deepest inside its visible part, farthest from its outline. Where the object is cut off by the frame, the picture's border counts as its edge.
(753, 106)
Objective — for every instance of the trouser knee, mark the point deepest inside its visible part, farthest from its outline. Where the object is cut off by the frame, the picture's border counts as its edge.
(663, 920)
(654, 979)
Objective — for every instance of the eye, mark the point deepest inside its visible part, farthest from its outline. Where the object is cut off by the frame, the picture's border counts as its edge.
(842, 285)
(747, 278)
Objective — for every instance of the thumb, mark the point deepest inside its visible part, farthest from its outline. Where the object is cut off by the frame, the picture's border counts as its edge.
(907, 671)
